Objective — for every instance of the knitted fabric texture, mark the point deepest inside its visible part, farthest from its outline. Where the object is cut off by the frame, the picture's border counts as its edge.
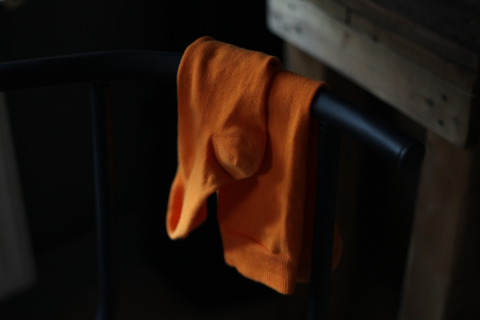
(244, 130)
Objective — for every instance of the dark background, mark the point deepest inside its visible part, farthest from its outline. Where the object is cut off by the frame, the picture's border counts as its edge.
(51, 125)
(52, 136)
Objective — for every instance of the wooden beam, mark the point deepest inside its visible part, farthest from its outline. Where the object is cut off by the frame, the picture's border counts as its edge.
(442, 279)
(448, 28)
(431, 101)
(422, 57)
(370, 20)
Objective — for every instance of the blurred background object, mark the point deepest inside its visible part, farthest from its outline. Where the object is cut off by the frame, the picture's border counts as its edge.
(17, 269)
(12, 4)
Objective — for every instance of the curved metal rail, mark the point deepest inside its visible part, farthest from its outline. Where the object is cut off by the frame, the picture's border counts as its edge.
(334, 113)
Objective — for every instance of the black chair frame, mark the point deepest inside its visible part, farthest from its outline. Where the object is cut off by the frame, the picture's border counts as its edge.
(334, 113)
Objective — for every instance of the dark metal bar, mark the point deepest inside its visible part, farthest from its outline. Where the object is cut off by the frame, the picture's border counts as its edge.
(112, 65)
(324, 221)
(368, 128)
(103, 162)
(357, 122)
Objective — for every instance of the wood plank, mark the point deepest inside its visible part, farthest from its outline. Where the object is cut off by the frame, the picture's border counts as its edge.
(411, 89)
(334, 8)
(442, 279)
(399, 44)
(421, 56)
(430, 24)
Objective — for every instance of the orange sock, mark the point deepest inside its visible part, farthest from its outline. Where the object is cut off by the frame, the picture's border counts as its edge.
(244, 130)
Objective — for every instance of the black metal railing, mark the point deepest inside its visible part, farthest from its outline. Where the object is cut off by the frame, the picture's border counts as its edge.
(334, 113)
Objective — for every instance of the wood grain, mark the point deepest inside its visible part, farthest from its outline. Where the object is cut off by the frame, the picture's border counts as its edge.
(405, 46)
(431, 101)
(419, 55)
(430, 24)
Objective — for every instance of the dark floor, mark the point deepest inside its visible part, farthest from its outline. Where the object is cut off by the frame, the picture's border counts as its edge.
(67, 288)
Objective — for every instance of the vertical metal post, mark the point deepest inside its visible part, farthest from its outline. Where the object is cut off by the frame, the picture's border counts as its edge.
(103, 163)
(324, 221)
